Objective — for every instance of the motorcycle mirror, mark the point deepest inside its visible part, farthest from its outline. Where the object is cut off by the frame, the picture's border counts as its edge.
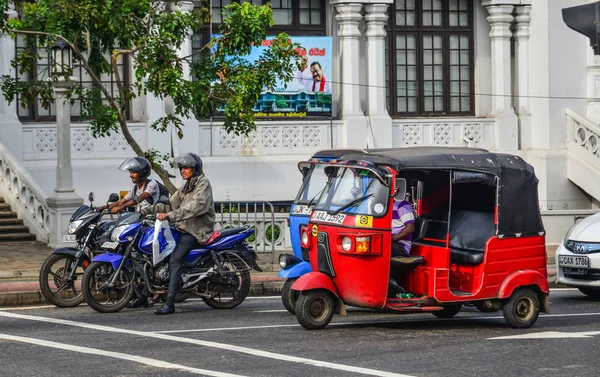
(91, 197)
(400, 189)
(113, 198)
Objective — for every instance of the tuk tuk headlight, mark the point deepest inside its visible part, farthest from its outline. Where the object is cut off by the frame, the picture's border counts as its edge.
(346, 243)
(282, 261)
(304, 239)
(73, 225)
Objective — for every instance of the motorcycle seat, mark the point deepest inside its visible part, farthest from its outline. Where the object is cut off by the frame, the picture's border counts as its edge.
(220, 234)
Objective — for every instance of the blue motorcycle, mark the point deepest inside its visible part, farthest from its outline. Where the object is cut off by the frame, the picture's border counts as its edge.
(218, 272)
(313, 183)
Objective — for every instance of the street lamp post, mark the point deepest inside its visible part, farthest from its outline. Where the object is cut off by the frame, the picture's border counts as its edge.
(64, 200)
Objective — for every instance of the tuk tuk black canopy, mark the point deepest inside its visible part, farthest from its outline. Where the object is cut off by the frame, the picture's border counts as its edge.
(518, 212)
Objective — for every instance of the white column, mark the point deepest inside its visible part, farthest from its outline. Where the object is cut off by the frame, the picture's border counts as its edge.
(521, 35)
(354, 130)
(380, 123)
(64, 200)
(7, 53)
(500, 19)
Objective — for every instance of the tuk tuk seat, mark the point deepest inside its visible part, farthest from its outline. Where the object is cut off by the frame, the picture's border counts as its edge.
(466, 256)
(469, 232)
(408, 261)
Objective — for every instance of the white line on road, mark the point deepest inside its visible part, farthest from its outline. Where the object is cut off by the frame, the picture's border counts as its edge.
(116, 355)
(227, 347)
(28, 307)
(551, 335)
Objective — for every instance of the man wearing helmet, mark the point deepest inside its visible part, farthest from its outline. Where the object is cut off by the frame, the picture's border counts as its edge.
(145, 191)
(193, 213)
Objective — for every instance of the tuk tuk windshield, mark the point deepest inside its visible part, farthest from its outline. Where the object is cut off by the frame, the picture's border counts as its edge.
(354, 191)
(313, 185)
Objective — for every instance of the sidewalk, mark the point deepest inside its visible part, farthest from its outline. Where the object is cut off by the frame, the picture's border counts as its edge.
(20, 264)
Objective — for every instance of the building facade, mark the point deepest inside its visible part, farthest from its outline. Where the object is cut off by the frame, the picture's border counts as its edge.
(505, 75)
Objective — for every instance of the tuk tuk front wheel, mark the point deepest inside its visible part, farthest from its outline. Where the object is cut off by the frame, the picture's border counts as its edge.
(449, 311)
(314, 309)
(522, 309)
(289, 296)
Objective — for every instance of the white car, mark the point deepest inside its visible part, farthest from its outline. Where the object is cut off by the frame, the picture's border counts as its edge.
(578, 257)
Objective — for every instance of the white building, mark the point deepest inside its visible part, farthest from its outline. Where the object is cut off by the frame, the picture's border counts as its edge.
(506, 75)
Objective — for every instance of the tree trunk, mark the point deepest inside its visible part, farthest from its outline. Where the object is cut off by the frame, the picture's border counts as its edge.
(159, 170)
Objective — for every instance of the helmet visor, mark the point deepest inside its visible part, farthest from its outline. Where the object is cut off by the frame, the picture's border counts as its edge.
(131, 164)
(185, 160)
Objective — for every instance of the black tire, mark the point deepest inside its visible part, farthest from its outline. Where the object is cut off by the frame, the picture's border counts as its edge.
(449, 311)
(314, 309)
(289, 296)
(593, 293)
(522, 308)
(56, 288)
(238, 284)
(106, 300)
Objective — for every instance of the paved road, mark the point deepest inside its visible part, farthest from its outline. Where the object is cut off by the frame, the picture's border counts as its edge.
(260, 338)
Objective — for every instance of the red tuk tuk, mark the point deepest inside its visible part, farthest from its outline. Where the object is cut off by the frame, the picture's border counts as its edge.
(478, 238)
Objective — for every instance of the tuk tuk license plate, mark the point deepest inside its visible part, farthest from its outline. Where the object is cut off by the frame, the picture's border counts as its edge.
(68, 238)
(572, 261)
(327, 218)
(110, 245)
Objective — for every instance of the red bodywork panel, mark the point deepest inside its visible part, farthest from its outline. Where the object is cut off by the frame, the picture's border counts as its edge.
(314, 280)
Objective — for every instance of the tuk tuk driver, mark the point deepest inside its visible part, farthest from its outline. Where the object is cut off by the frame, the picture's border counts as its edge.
(403, 222)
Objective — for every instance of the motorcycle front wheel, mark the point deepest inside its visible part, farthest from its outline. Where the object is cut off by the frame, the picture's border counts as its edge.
(59, 278)
(99, 295)
(229, 288)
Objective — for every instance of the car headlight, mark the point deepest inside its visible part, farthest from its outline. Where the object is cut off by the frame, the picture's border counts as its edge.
(114, 236)
(73, 225)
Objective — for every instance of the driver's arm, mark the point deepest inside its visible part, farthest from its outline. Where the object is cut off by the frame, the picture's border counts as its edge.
(408, 229)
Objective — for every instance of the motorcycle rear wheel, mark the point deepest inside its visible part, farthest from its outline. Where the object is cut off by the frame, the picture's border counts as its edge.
(238, 278)
(55, 285)
(103, 299)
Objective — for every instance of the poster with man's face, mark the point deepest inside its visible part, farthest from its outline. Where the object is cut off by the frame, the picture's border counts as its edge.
(309, 92)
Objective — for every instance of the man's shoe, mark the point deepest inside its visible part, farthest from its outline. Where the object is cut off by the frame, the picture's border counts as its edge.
(165, 309)
(140, 302)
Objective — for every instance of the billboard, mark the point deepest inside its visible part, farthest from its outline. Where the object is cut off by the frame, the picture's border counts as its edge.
(308, 94)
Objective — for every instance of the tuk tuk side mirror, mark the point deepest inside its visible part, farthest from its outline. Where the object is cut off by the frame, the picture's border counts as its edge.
(400, 192)
(113, 198)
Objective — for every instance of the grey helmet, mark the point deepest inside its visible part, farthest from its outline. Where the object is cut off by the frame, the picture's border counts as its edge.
(189, 160)
(138, 165)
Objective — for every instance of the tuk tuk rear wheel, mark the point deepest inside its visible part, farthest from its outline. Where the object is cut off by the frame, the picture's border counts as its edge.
(522, 308)
(314, 309)
(289, 296)
(449, 311)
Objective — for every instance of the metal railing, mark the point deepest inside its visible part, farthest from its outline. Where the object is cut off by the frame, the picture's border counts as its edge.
(270, 229)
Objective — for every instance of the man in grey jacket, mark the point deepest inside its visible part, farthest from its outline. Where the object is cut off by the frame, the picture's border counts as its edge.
(193, 213)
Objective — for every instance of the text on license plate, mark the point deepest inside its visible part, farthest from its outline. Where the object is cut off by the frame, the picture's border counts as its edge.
(68, 238)
(110, 245)
(325, 217)
(572, 261)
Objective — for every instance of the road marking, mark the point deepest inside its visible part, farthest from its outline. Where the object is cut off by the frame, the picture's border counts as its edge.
(116, 355)
(205, 343)
(270, 311)
(551, 335)
(28, 307)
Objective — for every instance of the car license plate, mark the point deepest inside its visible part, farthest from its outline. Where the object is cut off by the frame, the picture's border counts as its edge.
(572, 261)
(110, 245)
(68, 238)
(327, 218)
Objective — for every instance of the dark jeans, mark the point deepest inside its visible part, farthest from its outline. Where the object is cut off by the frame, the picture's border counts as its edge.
(398, 250)
(186, 243)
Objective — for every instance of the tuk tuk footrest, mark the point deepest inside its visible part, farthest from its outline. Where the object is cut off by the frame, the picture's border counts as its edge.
(408, 261)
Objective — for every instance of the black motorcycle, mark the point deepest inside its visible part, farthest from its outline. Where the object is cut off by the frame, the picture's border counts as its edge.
(63, 268)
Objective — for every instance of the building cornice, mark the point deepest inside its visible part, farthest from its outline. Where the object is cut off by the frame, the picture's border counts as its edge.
(487, 3)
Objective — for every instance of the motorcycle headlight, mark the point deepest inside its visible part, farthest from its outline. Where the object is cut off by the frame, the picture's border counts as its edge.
(114, 236)
(73, 225)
